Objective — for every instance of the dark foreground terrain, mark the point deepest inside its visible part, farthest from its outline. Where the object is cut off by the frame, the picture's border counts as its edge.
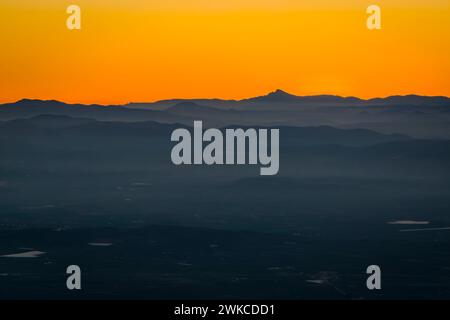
(105, 196)
(180, 262)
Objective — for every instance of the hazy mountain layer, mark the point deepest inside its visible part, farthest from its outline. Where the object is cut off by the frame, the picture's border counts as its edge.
(417, 116)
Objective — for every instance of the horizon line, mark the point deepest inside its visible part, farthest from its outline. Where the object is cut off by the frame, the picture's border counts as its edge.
(229, 99)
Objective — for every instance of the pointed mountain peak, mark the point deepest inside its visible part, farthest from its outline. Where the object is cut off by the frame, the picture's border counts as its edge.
(280, 93)
(275, 96)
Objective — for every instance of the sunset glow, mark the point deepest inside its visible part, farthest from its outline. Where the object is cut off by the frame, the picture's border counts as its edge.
(130, 50)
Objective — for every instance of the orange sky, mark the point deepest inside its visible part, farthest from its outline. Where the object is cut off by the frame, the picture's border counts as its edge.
(145, 50)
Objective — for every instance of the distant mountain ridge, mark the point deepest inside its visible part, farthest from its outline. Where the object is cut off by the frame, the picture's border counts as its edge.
(412, 115)
(282, 97)
(292, 136)
(277, 96)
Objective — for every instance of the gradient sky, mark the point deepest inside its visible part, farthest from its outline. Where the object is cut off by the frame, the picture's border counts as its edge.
(146, 50)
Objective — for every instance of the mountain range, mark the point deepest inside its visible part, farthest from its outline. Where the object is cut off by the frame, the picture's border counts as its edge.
(413, 115)
(280, 97)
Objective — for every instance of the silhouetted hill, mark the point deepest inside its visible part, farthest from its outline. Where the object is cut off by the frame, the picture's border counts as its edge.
(29, 108)
(59, 125)
(411, 100)
(322, 135)
(283, 98)
(280, 96)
